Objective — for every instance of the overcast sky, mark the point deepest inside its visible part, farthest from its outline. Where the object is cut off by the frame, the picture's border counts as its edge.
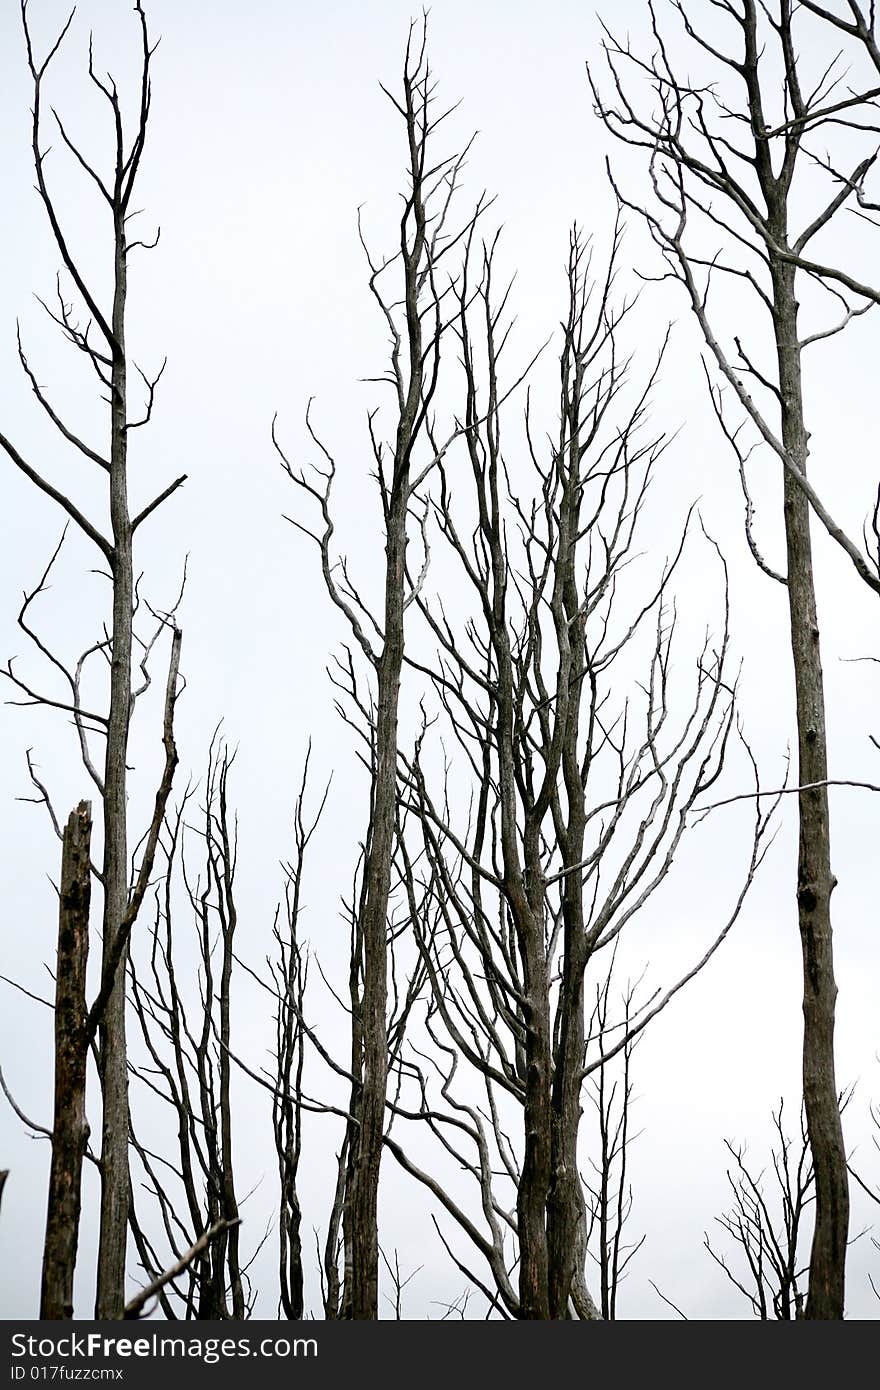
(268, 131)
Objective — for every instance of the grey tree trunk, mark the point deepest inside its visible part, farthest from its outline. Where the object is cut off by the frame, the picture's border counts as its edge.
(69, 1126)
(534, 1185)
(110, 1298)
(229, 1241)
(566, 1208)
(525, 895)
(815, 881)
(374, 1080)
(363, 1196)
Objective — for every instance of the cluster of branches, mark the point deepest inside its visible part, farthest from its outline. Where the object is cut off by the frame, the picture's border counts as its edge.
(538, 739)
(189, 1065)
(769, 1240)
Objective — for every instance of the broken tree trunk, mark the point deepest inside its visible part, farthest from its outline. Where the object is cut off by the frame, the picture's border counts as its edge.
(69, 1126)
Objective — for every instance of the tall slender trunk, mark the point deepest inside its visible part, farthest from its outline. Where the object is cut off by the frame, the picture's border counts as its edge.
(815, 881)
(363, 1196)
(287, 1113)
(229, 1243)
(566, 1208)
(107, 1013)
(69, 1126)
(212, 1279)
(525, 897)
(534, 1184)
(110, 1300)
(342, 1307)
(374, 997)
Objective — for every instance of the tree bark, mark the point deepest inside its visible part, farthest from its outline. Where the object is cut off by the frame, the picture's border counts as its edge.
(228, 1241)
(815, 881)
(534, 1185)
(69, 1128)
(374, 1081)
(110, 1299)
(367, 1155)
(566, 1208)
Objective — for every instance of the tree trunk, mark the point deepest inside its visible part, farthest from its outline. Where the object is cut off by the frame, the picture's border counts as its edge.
(229, 1241)
(362, 1201)
(374, 1080)
(534, 1185)
(110, 1301)
(815, 881)
(566, 1208)
(69, 1127)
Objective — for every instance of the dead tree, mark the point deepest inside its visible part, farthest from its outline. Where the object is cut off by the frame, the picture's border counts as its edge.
(608, 1191)
(285, 980)
(101, 340)
(69, 1127)
(188, 1061)
(769, 1243)
(580, 781)
(735, 157)
(289, 974)
(399, 1282)
(291, 979)
(414, 314)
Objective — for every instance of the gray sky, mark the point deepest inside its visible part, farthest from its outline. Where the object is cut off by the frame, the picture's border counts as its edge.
(268, 131)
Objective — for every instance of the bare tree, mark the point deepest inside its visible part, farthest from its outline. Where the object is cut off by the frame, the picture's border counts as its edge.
(735, 156)
(289, 972)
(291, 976)
(769, 1243)
(399, 1282)
(414, 315)
(578, 794)
(102, 343)
(189, 1061)
(608, 1190)
(568, 743)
